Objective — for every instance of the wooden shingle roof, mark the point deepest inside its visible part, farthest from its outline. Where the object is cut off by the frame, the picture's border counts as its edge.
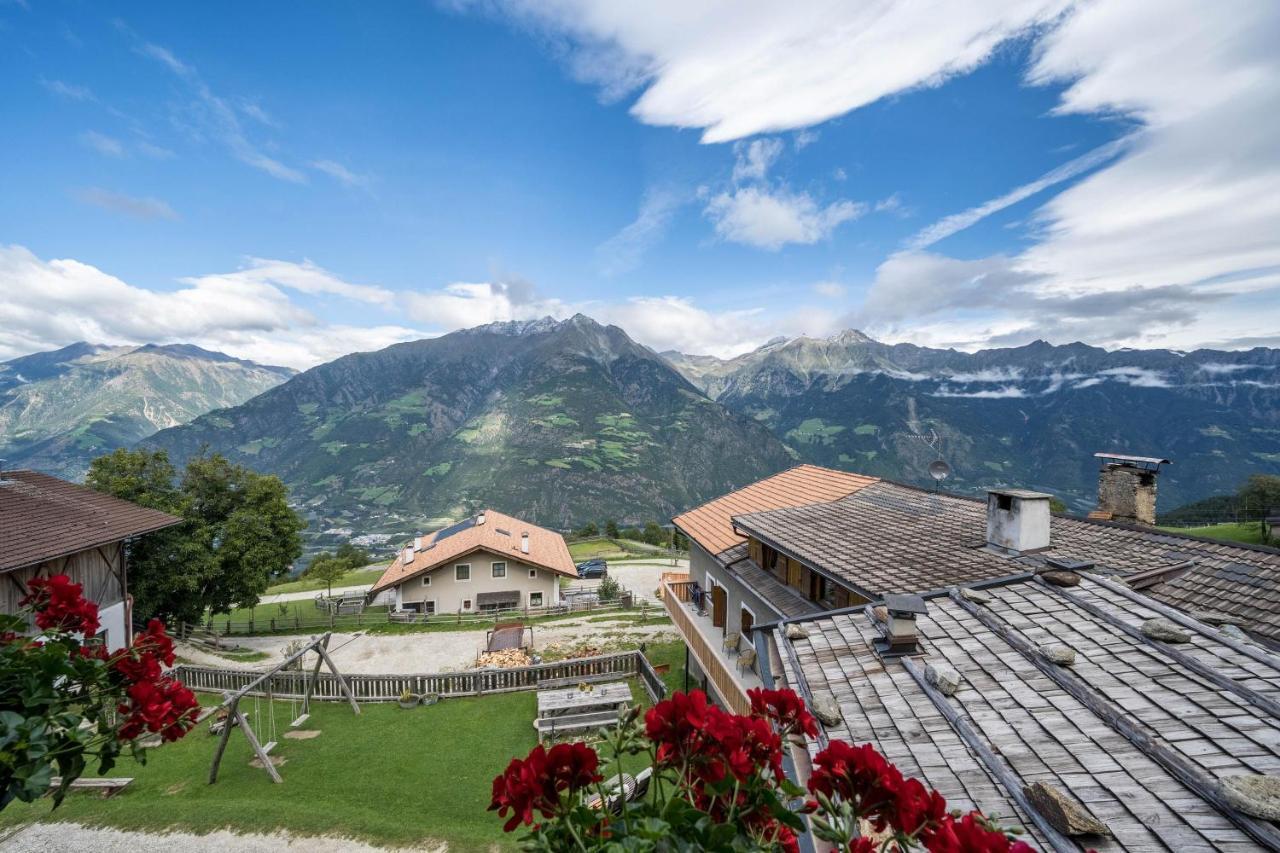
(711, 525)
(1134, 730)
(43, 517)
(499, 534)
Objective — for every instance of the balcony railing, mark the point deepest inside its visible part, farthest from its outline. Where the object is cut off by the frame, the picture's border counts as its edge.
(682, 600)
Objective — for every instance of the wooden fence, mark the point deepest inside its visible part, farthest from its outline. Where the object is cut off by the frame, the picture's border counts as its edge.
(675, 597)
(387, 688)
(293, 623)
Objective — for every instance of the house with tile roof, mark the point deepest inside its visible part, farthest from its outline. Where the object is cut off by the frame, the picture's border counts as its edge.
(485, 563)
(49, 527)
(811, 540)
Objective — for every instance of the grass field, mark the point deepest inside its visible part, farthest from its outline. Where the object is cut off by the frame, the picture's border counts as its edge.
(1250, 533)
(612, 549)
(358, 577)
(388, 776)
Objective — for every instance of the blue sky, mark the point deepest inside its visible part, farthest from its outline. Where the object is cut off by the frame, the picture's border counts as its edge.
(288, 182)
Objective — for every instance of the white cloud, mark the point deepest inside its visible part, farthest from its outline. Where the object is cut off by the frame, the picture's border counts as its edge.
(675, 323)
(957, 222)
(47, 304)
(1008, 392)
(304, 277)
(737, 69)
(624, 251)
(341, 173)
(770, 219)
(70, 91)
(108, 146)
(805, 138)
(209, 115)
(464, 304)
(829, 289)
(140, 208)
(754, 159)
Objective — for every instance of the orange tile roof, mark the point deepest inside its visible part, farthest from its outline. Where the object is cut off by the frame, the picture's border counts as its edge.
(711, 524)
(499, 534)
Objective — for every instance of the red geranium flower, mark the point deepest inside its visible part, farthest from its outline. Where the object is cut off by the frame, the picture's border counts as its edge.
(785, 708)
(969, 834)
(59, 606)
(534, 783)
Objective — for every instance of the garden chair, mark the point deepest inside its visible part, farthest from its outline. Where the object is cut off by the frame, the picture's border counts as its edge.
(747, 661)
(731, 642)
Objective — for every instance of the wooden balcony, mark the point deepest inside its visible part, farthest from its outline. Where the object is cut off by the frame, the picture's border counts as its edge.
(706, 645)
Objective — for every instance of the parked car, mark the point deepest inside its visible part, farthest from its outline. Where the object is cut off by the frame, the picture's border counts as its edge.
(591, 569)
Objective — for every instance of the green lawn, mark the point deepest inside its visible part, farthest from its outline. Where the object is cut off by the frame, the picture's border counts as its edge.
(387, 776)
(1248, 533)
(612, 549)
(356, 577)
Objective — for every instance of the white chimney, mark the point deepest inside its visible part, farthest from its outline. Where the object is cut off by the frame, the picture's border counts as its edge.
(407, 557)
(480, 518)
(1018, 520)
(417, 543)
(524, 543)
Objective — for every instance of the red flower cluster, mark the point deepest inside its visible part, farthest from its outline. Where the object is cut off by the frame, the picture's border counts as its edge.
(59, 605)
(157, 703)
(880, 794)
(536, 782)
(712, 743)
(785, 708)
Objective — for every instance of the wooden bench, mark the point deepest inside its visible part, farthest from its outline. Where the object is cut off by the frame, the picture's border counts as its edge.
(554, 683)
(574, 723)
(109, 787)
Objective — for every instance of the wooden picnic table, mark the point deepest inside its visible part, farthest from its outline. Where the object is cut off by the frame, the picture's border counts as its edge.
(611, 696)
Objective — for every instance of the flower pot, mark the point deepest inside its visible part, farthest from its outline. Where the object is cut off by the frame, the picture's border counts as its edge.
(411, 702)
(430, 698)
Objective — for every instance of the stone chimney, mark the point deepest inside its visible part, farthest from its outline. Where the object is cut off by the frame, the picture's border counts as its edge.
(901, 635)
(1018, 520)
(1127, 487)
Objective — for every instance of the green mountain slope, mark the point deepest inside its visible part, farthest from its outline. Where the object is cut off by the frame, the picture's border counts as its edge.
(1030, 416)
(60, 409)
(556, 422)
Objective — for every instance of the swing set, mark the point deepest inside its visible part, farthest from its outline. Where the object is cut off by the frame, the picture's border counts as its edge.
(235, 718)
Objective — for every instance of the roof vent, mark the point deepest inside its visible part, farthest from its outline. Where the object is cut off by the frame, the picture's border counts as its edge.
(524, 543)
(480, 518)
(901, 637)
(417, 543)
(407, 556)
(1018, 520)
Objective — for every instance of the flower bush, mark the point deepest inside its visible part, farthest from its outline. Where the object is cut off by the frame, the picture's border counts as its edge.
(66, 700)
(718, 784)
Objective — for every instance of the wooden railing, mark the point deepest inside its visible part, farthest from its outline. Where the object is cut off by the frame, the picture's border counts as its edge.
(386, 688)
(676, 598)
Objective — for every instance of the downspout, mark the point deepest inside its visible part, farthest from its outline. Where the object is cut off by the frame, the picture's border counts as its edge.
(760, 639)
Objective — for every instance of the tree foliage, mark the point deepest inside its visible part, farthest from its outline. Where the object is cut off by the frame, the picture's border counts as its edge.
(238, 532)
(329, 567)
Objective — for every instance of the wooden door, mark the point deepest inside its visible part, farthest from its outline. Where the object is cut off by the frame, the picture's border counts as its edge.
(718, 606)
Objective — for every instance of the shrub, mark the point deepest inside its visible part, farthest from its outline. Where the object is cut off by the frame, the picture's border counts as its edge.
(65, 701)
(719, 785)
(608, 589)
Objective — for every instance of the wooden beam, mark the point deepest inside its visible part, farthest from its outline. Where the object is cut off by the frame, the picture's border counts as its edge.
(223, 737)
(257, 747)
(1208, 673)
(310, 686)
(1011, 783)
(1175, 763)
(1186, 621)
(342, 682)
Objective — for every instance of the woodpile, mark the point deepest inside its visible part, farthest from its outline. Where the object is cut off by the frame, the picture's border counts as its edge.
(504, 659)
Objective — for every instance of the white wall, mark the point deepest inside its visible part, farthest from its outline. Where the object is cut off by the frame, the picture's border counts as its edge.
(450, 594)
(113, 620)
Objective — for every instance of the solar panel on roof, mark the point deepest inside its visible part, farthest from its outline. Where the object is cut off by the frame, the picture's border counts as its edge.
(466, 524)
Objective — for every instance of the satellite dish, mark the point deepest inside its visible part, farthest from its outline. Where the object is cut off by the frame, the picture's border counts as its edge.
(939, 470)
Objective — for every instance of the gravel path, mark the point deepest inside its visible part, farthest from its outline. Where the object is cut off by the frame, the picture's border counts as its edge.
(59, 837)
(439, 651)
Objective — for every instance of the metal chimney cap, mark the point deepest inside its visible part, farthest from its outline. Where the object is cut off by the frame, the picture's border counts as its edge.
(901, 605)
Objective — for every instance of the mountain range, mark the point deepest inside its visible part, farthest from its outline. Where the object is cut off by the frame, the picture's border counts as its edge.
(60, 409)
(568, 421)
(1030, 416)
(557, 422)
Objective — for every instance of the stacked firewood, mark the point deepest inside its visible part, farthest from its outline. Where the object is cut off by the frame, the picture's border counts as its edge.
(504, 659)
